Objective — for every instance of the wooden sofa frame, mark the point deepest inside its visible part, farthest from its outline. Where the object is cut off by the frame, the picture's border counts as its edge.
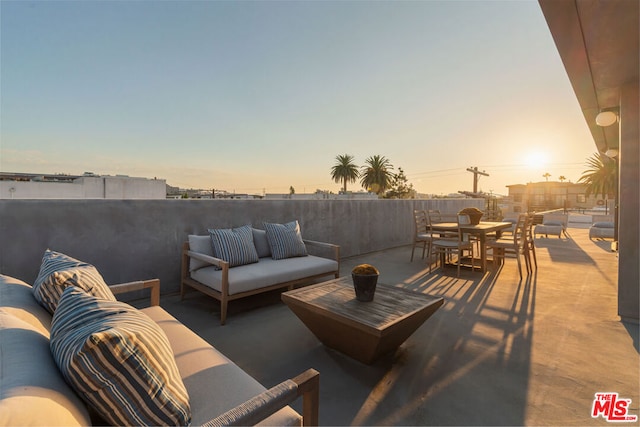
(254, 410)
(224, 296)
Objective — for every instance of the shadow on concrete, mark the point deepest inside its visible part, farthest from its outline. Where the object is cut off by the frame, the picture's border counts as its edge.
(500, 351)
(476, 347)
(634, 332)
(563, 250)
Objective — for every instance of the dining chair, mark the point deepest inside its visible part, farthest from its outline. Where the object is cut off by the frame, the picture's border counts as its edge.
(446, 247)
(433, 217)
(511, 229)
(515, 245)
(466, 220)
(421, 233)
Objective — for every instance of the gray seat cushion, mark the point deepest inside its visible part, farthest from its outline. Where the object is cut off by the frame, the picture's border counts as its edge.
(265, 273)
(214, 383)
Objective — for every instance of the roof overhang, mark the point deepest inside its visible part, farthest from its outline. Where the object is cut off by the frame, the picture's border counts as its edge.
(598, 42)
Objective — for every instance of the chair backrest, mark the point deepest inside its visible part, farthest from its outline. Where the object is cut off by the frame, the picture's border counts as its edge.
(463, 219)
(529, 231)
(433, 215)
(520, 233)
(420, 222)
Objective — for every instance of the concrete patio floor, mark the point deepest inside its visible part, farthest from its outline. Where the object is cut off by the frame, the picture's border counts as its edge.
(500, 351)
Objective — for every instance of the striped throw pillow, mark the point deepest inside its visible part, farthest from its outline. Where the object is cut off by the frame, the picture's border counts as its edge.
(234, 245)
(58, 271)
(285, 240)
(118, 360)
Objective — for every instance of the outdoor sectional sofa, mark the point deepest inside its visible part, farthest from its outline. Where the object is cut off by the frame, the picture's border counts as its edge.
(40, 385)
(554, 224)
(602, 230)
(279, 258)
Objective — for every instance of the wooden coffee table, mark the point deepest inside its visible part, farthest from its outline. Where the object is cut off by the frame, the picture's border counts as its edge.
(362, 330)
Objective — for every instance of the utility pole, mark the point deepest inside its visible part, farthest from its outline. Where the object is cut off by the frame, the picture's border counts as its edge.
(476, 172)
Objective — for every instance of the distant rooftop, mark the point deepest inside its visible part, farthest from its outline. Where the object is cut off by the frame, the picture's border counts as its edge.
(86, 186)
(19, 176)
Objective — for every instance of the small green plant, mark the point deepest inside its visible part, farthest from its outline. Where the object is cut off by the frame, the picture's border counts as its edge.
(365, 269)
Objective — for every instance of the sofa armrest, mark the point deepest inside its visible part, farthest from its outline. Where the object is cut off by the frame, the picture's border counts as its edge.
(153, 284)
(267, 403)
(331, 246)
(223, 265)
(208, 259)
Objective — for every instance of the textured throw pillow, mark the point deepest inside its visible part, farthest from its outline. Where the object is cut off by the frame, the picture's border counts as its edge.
(118, 360)
(261, 243)
(202, 245)
(285, 240)
(234, 245)
(58, 271)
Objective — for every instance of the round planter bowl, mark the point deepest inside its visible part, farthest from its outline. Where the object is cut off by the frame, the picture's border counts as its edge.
(475, 219)
(364, 286)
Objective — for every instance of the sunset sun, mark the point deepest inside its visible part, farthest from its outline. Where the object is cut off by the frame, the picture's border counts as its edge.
(536, 160)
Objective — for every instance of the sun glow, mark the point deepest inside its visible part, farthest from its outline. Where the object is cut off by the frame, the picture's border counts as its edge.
(536, 160)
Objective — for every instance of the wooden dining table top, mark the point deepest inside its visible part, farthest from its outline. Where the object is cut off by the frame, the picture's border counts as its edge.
(482, 227)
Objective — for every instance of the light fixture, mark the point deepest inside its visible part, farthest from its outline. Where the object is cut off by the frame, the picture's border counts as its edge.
(611, 153)
(606, 118)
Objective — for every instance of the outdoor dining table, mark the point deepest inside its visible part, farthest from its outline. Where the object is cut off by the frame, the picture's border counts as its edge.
(481, 230)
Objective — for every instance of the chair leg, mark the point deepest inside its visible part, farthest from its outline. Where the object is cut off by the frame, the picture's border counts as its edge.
(473, 260)
(527, 260)
(533, 250)
(519, 265)
(412, 251)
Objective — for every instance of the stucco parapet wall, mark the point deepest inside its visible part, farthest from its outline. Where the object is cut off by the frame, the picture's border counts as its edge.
(138, 239)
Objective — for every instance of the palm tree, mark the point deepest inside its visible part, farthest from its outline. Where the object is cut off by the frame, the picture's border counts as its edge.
(602, 175)
(562, 178)
(546, 175)
(376, 174)
(344, 170)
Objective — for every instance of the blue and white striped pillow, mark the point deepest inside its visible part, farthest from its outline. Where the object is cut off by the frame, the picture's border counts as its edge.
(58, 271)
(118, 360)
(234, 245)
(285, 240)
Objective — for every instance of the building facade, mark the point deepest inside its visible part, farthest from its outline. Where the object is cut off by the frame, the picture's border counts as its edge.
(87, 186)
(544, 196)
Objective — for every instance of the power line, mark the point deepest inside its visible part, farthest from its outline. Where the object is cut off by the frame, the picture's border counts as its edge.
(503, 166)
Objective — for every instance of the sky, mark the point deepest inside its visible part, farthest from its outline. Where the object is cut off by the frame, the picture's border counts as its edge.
(260, 96)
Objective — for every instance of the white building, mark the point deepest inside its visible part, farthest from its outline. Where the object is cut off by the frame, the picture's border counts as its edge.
(87, 186)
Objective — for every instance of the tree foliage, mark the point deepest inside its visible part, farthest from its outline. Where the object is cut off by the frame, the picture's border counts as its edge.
(377, 174)
(344, 170)
(601, 176)
(400, 187)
